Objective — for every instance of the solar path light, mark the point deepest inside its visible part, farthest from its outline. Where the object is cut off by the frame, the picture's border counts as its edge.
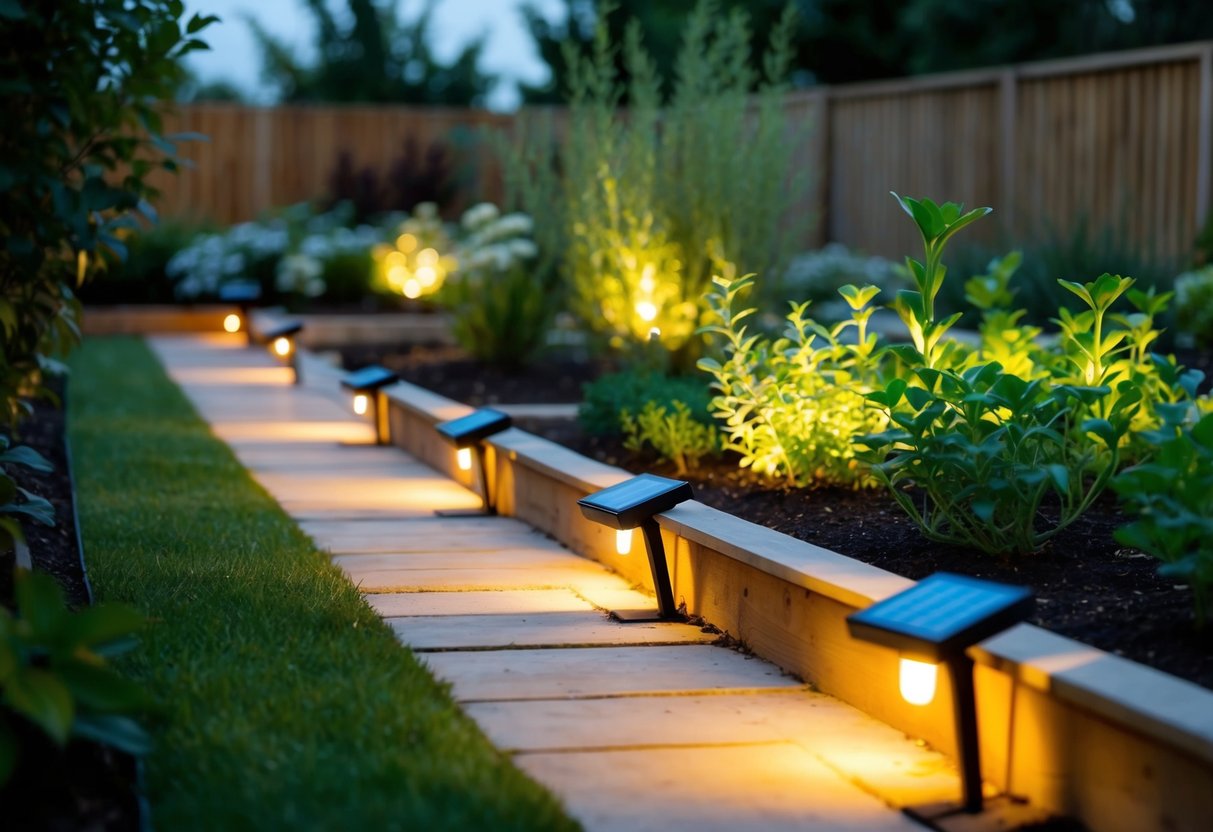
(243, 293)
(635, 503)
(281, 340)
(934, 622)
(367, 386)
(467, 434)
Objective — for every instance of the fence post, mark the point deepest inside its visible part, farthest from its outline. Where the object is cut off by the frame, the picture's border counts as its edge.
(1008, 92)
(1204, 147)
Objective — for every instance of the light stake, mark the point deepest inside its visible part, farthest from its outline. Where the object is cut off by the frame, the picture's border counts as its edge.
(636, 503)
(282, 341)
(367, 386)
(934, 622)
(467, 434)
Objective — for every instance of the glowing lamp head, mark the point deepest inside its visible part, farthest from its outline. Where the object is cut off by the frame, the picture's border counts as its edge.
(917, 681)
(464, 459)
(360, 404)
(282, 346)
(231, 323)
(623, 541)
(647, 310)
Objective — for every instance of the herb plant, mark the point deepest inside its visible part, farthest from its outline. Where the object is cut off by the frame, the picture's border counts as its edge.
(1171, 500)
(674, 433)
(15, 501)
(986, 448)
(55, 679)
(604, 399)
(790, 405)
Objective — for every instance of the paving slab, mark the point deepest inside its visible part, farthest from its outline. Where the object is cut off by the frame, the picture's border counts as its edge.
(540, 629)
(428, 534)
(602, 671)
(869, 752)
(764, 788)
(348, 496)
(496, 602)
(586, 582)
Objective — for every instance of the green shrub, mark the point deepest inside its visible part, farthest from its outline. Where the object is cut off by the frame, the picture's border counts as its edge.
(1171, 500)
(500, 308)
(606, 398)
(653, 200)
(1194, 305)
(673, 433)
(789, 406)
(143, 276)
(81, 96)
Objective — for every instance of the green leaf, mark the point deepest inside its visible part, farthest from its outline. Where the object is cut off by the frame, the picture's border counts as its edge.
(22, 455)
(11, 10)
(102, 689)
(40, 602)
(117, 731)
(44, 700)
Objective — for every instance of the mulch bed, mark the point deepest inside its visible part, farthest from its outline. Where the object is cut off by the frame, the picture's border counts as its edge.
(1089, 587)
(84, 786)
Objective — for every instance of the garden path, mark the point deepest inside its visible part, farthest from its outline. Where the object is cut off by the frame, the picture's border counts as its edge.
(639, 726)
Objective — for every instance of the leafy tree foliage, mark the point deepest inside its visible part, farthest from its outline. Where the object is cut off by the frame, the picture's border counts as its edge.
(80, 89)
(854, 40)
(378, 58)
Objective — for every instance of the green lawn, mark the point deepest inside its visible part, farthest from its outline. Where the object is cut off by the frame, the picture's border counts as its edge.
(284, 700)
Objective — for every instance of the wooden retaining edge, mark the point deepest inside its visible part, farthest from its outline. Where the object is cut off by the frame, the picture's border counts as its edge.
(318, 330)
(1082, 732)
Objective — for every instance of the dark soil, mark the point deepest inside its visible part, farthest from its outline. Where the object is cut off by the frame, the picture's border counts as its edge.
(448, 371)
(84, 786)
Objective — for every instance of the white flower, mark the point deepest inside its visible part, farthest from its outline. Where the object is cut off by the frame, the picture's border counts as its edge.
(300, 273)
(523, 249)
(479, 214)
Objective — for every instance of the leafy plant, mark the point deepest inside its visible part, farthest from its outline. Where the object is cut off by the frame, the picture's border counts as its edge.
(791, 405)
(605, 399)
(417, 175)
(916, 307)
(15, 501)
(499, 310)
(654, 201)
(674, 433)
(55, 677)
(81, 96)
(1194, 305)
(1171, 499)
(985, 448)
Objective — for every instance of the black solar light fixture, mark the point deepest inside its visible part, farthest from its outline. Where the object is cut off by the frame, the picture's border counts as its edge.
(934, 622)
(632, 504)
(243, 293)
(367, 385)
(467, 434)
(282, 342)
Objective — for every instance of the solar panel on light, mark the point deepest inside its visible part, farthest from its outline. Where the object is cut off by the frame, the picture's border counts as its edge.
(282, 330)
(468, 430)
(369, 378)
(628, 504)
(941, 615)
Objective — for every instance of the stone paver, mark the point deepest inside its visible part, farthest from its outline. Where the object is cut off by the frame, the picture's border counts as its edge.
(537, 629)
(634, 727)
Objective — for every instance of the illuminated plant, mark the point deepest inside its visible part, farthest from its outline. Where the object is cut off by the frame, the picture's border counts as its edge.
(1171, 500)
(654, 199)
(916, 307)
(985, 448)
(790, 405)
(1004, 340)
(674, 433)
(1194, 305)
(417, 262)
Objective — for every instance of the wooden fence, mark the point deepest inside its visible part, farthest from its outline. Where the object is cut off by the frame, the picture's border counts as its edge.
(1122, 141)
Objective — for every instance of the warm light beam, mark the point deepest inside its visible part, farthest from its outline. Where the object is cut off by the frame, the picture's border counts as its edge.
(464, 458)
(623, 541)
(360, 403)
(231, 323)
(282, 346)
(917, 680)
